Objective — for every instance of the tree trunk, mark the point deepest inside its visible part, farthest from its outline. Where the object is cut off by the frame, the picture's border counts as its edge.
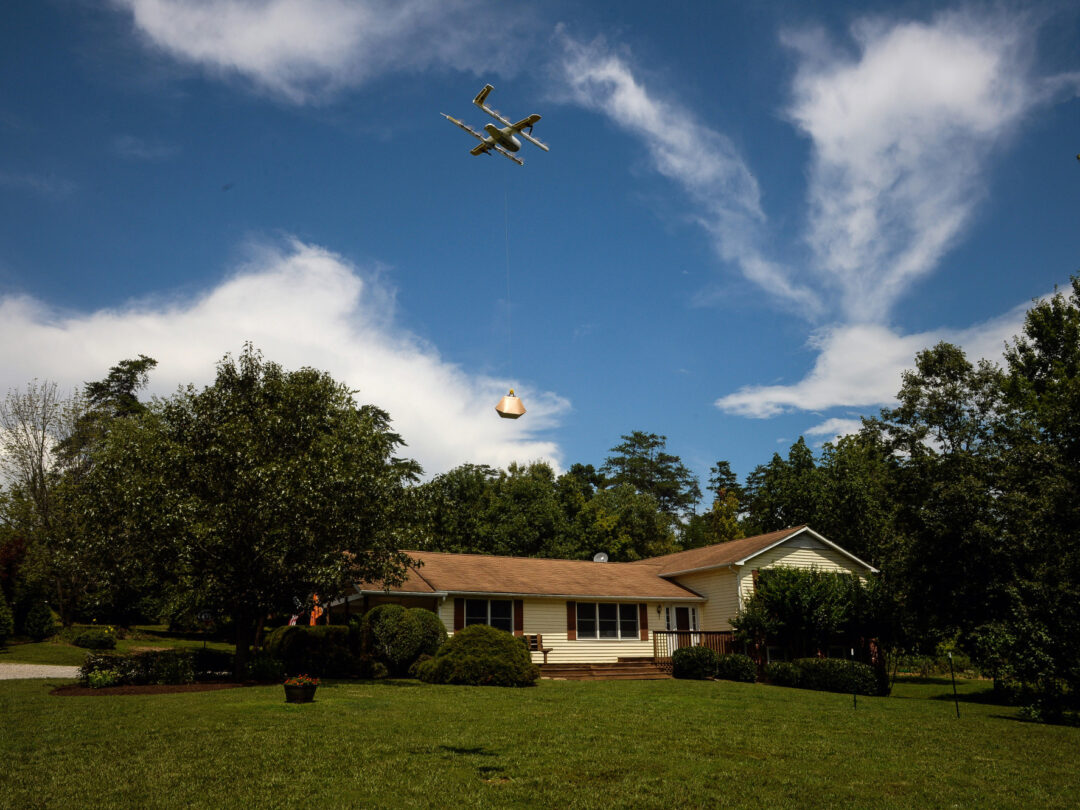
(246, 627)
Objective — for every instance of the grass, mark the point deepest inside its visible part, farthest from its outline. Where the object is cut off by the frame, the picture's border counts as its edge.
(562, 744)
(59, 652)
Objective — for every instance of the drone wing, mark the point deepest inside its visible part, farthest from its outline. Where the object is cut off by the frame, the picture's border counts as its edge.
(527, 123)
(464, 126)
(506, 154)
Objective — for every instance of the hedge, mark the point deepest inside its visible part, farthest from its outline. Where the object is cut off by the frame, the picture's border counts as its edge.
(480, 655)
(827, 675)
(694, 662)
(736, 667)
(136, 669)
(325, 650)
(95, 638)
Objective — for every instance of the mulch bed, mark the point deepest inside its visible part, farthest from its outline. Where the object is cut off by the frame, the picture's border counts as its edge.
(74, 690)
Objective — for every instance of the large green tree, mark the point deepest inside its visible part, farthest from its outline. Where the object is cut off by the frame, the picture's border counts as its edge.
(642, 462)
(264, 487)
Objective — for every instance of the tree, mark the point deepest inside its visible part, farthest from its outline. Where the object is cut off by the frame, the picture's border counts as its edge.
(266, 486)
(785, 492)
(641, 462)
(626, 524)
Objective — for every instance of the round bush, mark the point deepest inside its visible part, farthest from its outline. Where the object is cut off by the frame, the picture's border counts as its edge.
(433, 631)
(394, 636)
(323, 650)
(781, 673)
(39, 623)
(479, 655)
(736, 667)
(694, 662)
(95, 638)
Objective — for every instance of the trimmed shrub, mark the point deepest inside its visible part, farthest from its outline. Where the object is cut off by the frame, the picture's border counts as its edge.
(415, 668)
(736, 667)
(39, 623)
(95, 638)
(323, 650)
(7, 621)
(694, 662)
(782, 673)
(479, 655)
(151, 666)
(103, 677)
(432, 631)
(836, 675)
(395, 636)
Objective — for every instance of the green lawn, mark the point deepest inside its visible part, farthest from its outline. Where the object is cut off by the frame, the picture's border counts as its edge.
(55, 651)
(561, 744)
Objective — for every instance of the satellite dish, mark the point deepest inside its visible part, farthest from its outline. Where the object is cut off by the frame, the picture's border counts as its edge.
(600, 556)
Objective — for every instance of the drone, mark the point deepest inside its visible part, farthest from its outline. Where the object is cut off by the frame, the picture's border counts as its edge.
(499, 139)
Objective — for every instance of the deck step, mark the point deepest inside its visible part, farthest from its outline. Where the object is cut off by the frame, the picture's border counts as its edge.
(622, 671)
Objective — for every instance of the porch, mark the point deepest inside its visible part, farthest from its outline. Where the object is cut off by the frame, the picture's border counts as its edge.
(665, 642)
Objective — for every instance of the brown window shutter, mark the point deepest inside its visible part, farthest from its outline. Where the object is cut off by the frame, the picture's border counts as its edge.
(643, 621)
(459, 613)
(519, 617)
(571, 621)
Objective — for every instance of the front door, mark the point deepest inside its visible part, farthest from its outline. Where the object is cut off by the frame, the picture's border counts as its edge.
(683, 626)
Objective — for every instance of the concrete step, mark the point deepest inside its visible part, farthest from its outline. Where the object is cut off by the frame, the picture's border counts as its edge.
(636, 670)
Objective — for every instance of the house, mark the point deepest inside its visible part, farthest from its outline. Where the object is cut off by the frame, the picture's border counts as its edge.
(597, 612)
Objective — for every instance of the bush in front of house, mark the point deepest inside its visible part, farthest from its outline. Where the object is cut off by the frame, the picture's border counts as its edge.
(7, 621)
(432, 631)
(265, 668)
(137, 669)
(695, 662)
(480, 655)
(95, 638)
(323, 650)
(394, 636)
(39, 623)
(736, 667)
(783, 673)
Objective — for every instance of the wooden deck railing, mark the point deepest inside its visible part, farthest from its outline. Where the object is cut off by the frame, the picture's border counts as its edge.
(665, 642)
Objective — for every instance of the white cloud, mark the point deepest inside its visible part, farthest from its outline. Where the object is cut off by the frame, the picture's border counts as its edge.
(301, 305)
(303, 49)
(705, 163)
(901, 135)
(834, 428)
(860, 366)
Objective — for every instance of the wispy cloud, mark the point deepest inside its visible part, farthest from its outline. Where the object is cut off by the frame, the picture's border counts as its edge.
(901, 132)
(303, 50)
(130, 147)
(302, 305)
(834, 428)
(42, 185)
(702, 161)
(860, 365)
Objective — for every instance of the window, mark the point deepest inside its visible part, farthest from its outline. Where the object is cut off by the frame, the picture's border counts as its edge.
(606, 620)
(498, 613)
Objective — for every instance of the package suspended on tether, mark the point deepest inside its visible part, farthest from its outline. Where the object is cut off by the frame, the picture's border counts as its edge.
(510, 407)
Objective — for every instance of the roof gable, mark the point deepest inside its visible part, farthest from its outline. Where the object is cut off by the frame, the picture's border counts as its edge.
(739, 552)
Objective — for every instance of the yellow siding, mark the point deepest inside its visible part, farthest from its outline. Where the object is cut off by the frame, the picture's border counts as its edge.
(823, 559)
(720, 587)
(548, 617)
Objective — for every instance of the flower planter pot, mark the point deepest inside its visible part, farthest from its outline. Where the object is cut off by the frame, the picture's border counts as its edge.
(300, 694)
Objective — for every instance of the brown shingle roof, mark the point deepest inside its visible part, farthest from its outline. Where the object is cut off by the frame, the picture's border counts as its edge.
(717, 555)
(482, 573)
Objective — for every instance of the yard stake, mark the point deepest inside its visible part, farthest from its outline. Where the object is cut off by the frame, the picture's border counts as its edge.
(956, 700)
(854, 685)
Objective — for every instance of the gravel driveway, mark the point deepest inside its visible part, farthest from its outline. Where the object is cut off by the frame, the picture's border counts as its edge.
(11, 671)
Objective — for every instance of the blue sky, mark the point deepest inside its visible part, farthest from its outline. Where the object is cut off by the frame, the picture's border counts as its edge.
(751, 217)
